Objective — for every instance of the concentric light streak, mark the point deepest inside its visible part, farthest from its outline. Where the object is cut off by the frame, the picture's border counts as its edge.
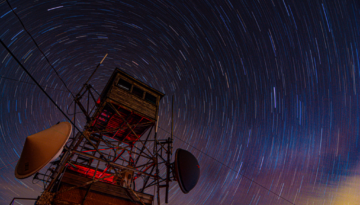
(270, 89)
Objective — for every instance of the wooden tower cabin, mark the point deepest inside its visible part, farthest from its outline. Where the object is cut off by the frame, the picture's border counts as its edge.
(110, 161)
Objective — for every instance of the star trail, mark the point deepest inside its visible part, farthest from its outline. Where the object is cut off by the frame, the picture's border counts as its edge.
(265, 91)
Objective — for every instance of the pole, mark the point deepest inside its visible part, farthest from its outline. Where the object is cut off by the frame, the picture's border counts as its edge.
(93, 73)
(156, 161)
(172, 123)
(169, 152)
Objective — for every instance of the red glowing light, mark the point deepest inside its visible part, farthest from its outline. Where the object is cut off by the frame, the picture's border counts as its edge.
(88, 172)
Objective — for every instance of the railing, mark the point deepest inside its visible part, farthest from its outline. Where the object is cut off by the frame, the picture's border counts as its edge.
(16, 198)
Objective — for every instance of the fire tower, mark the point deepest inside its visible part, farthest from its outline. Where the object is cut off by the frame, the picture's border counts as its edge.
(105, 163)
(117, 158)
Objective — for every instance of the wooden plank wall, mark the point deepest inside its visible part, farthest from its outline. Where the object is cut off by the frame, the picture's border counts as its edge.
(131, 101)
(100, 193)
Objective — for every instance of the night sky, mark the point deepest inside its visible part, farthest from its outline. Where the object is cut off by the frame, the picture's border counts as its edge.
(266, 92)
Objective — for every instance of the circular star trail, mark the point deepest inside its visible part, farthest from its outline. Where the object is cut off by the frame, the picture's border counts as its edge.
(266, 92)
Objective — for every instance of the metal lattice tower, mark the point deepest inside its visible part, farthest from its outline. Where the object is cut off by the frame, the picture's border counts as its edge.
(118, 155)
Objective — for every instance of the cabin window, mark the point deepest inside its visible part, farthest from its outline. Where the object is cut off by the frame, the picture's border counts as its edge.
(138, 92)
(150, 98)
(124, 84)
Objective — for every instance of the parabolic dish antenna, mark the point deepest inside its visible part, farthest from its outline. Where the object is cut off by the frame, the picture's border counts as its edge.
(41, 148)
(187, 170)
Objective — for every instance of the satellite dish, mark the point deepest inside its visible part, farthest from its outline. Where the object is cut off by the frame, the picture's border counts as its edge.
(187, 170)
(41, 148)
